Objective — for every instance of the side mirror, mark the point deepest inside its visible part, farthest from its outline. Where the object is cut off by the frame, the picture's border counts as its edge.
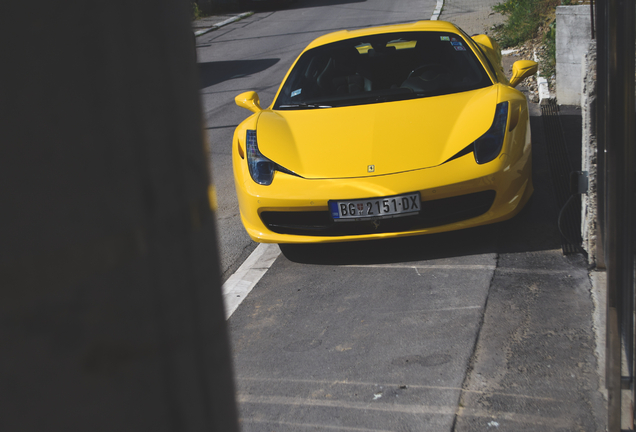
(249, 100)
(522, 69)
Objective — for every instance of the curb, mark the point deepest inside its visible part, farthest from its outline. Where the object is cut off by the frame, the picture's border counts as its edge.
(239, 285)
(542, 84)
(223, 23)
(438, 10)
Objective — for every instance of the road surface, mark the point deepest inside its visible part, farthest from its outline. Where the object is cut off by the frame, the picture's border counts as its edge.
(487, 328)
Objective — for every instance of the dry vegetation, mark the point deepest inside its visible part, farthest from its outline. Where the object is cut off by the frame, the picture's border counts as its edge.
(531, 27)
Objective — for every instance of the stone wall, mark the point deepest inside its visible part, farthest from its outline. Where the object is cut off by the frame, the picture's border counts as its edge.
(589, 152)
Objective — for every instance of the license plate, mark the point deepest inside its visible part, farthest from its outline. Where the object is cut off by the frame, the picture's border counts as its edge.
(392, 206)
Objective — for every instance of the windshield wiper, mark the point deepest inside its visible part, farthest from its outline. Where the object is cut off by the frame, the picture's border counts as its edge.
(305, 106)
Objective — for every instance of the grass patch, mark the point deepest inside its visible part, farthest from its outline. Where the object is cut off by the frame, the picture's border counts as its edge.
(547, 56)
(532, 21)
(197, 13)
(525, 18)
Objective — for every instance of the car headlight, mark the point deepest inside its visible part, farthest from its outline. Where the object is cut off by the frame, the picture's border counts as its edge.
(488, 146)
(261, 168)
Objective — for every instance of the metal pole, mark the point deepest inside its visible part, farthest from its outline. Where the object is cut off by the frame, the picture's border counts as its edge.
(605, 227)
(616, 80)
(601, 121)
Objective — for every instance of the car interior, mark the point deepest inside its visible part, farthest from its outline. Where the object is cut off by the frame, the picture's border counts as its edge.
(381, 68)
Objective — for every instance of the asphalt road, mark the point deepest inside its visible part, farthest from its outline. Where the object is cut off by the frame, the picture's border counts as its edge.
(478, 329)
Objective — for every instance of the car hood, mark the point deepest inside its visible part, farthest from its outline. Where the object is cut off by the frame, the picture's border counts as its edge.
(392, 137)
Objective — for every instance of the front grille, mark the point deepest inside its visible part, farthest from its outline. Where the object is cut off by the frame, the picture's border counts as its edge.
(434, 213)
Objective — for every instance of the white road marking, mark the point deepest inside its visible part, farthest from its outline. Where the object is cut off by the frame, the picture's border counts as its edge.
(438, 10)
(239, 285)
(490, 267)
(313, 426)
(458, 308)
(532, 271)
(366, 406)
(386, 384)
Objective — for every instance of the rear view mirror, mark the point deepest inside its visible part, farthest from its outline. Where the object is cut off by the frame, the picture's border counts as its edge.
(522, 69)
(249, 100)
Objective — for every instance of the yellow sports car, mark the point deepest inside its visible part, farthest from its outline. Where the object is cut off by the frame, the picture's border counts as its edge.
(384, 132)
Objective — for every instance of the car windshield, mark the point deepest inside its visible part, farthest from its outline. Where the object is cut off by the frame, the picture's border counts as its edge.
(382, 68)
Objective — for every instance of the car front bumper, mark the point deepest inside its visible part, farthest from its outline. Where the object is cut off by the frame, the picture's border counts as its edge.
(456, 195)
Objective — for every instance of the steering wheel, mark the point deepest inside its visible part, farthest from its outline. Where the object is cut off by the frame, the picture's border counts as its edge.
(429, 72)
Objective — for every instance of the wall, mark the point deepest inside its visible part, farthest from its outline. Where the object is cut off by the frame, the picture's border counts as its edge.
(573, 33)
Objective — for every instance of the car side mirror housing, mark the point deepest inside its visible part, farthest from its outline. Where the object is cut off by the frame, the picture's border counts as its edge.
(250, 101)
(522, 69)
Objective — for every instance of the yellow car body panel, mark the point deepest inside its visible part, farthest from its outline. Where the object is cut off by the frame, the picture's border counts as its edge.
(416, 145)
(421, 133)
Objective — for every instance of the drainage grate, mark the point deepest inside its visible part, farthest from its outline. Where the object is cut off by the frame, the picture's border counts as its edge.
(569, 204)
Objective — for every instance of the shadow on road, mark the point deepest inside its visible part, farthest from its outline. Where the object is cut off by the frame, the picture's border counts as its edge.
(211, 73)
(273, 5)
(317, 3)
(533, 229)
(297, 4)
